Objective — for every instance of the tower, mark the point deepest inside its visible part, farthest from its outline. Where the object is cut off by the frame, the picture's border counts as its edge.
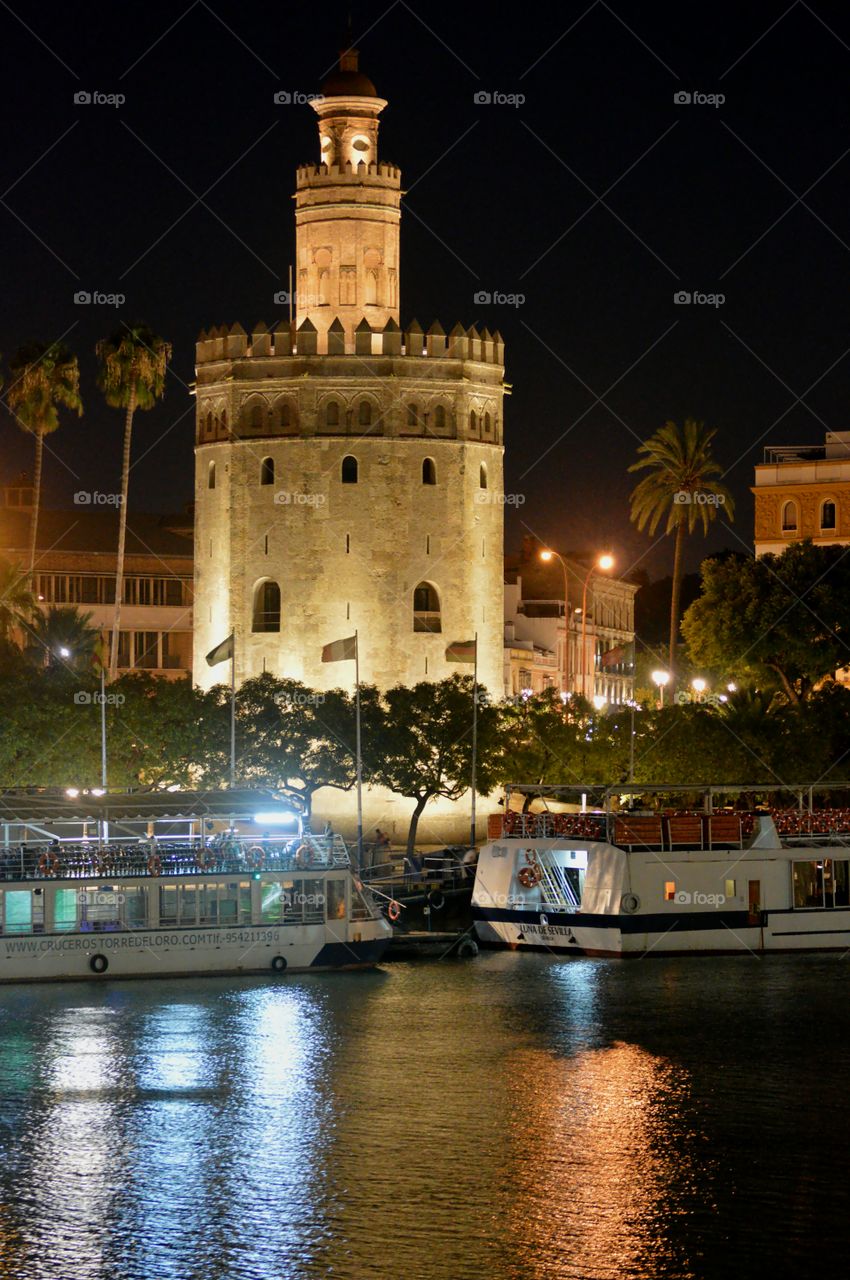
(348, 474)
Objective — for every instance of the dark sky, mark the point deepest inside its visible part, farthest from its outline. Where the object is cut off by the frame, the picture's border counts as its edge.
(597, 199)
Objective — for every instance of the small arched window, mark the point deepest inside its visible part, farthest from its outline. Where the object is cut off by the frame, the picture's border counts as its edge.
(482, 476)
(827, 514)
(473, 423)
(789, 517)
(211, 476)
(267, 471)
(440, 418)
(266, 614)
(365, 414)
(209, 424)
(413, 415)
(332, 414)
(429, 471)
(426, 608)
(224, 421)
(349, 470)
(285, 414)
(488, 424)
(256, 417)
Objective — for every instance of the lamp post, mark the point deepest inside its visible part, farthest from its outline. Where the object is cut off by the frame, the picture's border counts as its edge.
(698, 686)
(661, 679)
(547, 555)
(604, 563)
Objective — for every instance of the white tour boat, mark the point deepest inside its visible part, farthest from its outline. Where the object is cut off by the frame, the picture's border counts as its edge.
(165, 884)
(697, 876)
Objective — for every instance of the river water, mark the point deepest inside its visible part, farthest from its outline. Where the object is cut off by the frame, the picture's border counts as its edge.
(514, 1117)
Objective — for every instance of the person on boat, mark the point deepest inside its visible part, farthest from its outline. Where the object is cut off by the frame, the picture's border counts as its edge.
(382, 840)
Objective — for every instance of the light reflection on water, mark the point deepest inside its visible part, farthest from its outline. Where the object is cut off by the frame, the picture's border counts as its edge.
(517, 1117)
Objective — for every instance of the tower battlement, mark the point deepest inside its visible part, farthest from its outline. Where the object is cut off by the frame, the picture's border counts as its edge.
(223, 344)
(311, 173)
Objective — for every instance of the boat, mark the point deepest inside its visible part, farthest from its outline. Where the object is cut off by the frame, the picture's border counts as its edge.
(170, 884)
(628, 871)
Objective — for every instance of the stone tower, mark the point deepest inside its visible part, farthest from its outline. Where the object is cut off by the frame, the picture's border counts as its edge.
(348, 475)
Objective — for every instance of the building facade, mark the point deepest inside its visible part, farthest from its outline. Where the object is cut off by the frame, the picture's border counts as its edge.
(348, 473)
(803, 492)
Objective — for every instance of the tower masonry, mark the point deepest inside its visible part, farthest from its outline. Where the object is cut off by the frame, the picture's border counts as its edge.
(349, 474)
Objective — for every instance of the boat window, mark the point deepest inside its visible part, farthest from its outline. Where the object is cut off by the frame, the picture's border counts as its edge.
(246, 912)
(669, 890)
(336, 899)
(730, 890)
(99, 908)
(188, 904)
(134, 912)
(842, 884)
(808, 884)
(17, 911)
(228, 904)
(359, 906)
(168, 904)
(208, 903)
(65, 910)
(271, 892)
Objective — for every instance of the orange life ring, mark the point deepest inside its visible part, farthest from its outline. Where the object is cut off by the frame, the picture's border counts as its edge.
(255, 857)
(530, 876)
(302, 856)
(48, 864)
(394, 910)
(154, 864)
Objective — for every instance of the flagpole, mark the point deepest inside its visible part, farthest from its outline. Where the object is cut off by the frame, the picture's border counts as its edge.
(233, 712)
(474, 739)
(102, 727)
(359, 757)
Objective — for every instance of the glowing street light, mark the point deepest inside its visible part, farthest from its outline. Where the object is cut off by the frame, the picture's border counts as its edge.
(731, 686)
(661, 679)
(64, 652)
(698, 686)
(599, 701)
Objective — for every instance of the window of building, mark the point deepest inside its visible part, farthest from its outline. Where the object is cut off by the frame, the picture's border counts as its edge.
(429, 471)
(267, 471)
(488, 424)
(440, 418)
(482, 476)
(669, 890)
(256, 417)
(332, 414)
(349, 470)
(473, 423)
(364, 416)
(789, 517)
(146, 644)
(266, 615)
(413, 415)
(211, 476)
(827, 514)
(426, 608)
(285, 414)
(730, 890)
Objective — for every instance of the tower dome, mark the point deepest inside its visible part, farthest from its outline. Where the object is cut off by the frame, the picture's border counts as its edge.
(347, 80)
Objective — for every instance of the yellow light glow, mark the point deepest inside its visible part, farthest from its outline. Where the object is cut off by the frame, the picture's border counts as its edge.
(546, 555)
(661, 678)
(698, 685)
(605, 562)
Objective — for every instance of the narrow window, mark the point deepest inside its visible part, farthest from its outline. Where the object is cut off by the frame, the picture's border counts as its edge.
(482, 476)
(209, 424)
(266, 545)
(413, 415)
(669, 890)
(729, 890)
(473, 423)
(332, 414)
(426, 608)
(257, 417)
(427, 544)
(487, 424)
(429, 471)
(348, 544)
(789, 517)
(285, 414)
(266, 606)
(827, 515)
(439, 418)
(211, 476)
(349, 470)
(267, 471)
(365, 414)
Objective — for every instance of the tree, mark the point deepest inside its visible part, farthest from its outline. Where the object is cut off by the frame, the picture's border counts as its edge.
(547, 741)
(778, 622)
(682, 485)
(62, 639)
(17, 601)
(46, 376)
(424, 747)
(132, 376)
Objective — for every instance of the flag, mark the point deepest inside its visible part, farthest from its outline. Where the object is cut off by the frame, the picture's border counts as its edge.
(461, 651)
(100, 656)
(221, 652)
(340, 650)
(621, 653)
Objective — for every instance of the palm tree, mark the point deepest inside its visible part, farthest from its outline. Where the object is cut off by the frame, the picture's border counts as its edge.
(683, 486)
(45, 377)
(133, 361)
(17, 602)
(63, 637)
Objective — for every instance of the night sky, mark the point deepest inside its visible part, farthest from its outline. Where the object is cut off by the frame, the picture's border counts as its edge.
(598, 198)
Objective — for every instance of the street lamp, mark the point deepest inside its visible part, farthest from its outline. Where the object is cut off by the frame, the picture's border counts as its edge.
(662, 679)
(64, 652)
(698, 686)
(547, 555)
(599, 701)
(604, 563)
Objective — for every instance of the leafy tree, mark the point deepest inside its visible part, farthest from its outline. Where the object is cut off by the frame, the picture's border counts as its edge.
(683, 486)
(424, 746)
(547, 741)
(17, 601)
(133, 362)
(46, 376)
(62, 639)
(779, 621)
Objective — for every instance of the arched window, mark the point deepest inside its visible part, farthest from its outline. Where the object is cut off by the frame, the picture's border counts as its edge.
(365, 414)
(429, 471)
(211, 476)
(488, 424)
(256, 417)
(224, 421)
(266, 616)
(209, 424)
(285, 414)
(482, 476)
(413, 415)
(267, 471)
(332, 414)
(349, 470)
(426, 608)
(827, 514)
(473, 423)
(440, 418)
(789, 517)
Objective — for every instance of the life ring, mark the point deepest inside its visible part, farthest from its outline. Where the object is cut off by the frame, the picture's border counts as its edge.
(436, 900)
(467, 948)
(530, 876)
(154, 865)
(278, 964)
(302, 856)
(629, 903)
(48, 864)
(394, 910)
(98, 964)
(255, 857)
(201, 859)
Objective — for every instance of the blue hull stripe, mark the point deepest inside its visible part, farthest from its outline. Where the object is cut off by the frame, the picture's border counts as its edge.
(337, 955)
(657, 922)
